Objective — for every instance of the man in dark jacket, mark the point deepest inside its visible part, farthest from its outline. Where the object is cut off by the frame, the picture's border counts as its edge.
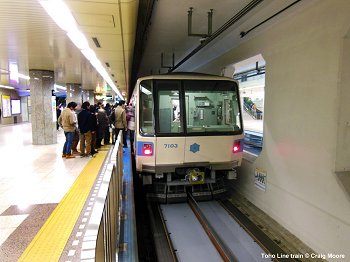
(84, 123)
(93, 129)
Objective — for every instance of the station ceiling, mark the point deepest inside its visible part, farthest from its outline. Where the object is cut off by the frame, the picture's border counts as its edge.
(132, 34)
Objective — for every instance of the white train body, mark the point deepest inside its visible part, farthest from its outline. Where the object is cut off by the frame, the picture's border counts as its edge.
(187, 121)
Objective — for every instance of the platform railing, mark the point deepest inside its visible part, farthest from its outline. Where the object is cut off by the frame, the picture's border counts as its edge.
(104, 223)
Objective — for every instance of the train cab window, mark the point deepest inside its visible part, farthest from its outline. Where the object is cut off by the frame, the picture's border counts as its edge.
(169, 109)
(212, 106)
(146, 108)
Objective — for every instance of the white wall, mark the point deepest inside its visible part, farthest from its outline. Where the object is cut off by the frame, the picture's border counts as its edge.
(303, 54)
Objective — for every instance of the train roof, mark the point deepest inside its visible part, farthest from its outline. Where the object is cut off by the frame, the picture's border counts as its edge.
(186, 75)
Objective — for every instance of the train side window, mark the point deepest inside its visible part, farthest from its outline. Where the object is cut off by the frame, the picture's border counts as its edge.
(169, 110)
(146, 108)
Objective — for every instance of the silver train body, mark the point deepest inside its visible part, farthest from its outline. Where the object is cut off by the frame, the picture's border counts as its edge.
(188, 134)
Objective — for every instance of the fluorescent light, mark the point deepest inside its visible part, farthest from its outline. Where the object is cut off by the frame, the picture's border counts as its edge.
(23, 76)
(7, 87)
(78, 39)
(59, 87)
(13, 71)
(61, 14)
(89, 54)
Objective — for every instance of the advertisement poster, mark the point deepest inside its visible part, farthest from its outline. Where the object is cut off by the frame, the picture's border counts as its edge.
(6, 106)
(15, 107)
(260, 179)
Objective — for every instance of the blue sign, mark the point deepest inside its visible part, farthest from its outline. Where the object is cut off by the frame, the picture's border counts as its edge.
(194, 148)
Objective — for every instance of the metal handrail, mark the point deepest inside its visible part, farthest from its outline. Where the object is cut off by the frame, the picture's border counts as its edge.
(103, 226)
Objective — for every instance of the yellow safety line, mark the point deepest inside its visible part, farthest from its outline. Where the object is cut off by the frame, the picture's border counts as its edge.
(49, 242)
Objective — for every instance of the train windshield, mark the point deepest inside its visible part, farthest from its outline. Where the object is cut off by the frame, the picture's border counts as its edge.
(212, 106)
(189, 107)
(168, 107)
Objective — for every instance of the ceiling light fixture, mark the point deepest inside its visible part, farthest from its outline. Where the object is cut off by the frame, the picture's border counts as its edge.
(13, 71)
(7, 87)
(59, 87)
(23, 76)
(61, 14)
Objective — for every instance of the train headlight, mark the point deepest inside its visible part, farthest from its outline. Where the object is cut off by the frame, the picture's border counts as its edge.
(236, 146)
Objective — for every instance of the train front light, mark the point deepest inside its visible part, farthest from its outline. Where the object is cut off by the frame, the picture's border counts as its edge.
(236, 146)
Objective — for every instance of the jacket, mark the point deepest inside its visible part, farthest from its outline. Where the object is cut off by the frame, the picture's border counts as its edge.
(84, 121)
(67, 120)
(120, 118)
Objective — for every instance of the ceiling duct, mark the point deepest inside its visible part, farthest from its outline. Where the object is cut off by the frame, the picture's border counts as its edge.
(97, 43)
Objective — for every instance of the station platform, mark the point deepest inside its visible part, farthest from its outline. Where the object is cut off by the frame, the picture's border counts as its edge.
(56, 209)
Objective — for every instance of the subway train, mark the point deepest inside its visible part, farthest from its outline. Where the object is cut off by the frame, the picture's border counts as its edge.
(188, 134)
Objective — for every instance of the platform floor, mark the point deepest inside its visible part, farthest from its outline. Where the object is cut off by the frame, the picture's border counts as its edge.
(33, 180)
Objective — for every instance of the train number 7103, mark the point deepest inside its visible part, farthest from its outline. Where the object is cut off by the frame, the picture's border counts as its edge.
(170, 145)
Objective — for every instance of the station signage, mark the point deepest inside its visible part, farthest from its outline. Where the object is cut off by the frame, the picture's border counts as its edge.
(260, 179)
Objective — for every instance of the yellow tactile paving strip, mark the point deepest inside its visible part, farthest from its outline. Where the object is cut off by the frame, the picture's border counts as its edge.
(49, 242)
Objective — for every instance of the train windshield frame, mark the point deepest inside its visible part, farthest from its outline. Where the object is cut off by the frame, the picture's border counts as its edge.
(191, 107)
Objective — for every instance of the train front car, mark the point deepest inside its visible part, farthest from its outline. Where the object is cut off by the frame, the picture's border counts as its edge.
(189, 134)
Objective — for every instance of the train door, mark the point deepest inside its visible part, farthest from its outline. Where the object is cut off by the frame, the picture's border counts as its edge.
(169, 127)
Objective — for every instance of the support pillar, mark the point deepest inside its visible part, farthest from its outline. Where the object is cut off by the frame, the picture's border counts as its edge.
(43, 106)
(74, 94)
(88, 95)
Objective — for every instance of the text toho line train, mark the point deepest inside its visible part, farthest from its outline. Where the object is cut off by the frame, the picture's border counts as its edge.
(188, 135)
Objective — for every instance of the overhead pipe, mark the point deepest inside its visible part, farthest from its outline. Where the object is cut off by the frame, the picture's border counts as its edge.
(229, 23)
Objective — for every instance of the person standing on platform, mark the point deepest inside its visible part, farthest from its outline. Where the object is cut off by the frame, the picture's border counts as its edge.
(84, 123)
(58, 113)
(130, 117)
(76, 136)
(67, 122)
(107, 136)
(103, 124)
(108, 109)
(120, 121)
(93, 120)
